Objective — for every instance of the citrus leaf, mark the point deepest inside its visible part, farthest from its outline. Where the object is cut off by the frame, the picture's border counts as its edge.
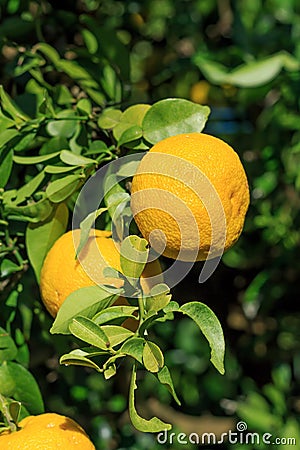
(173, 116)
(154, 425)
(8, 349)
(89, 332)
(116, 334)
(210, 326)
(59, 169)
(76, 360)
(75, 160)
(134, 254)
(114, 313)
(11, 108)
(86, 226)
(153, 359)
(6, 165)
(110, 371)
(165, 378)
(134, 347)
(59, 190)
(26, 191)
(18, 383)
(34, 159)
(158, 298)
(109, 118)
(86, 302)
(41, 236)
(130, 134)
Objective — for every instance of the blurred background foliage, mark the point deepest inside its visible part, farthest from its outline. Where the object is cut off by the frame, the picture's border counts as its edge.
(241, 58)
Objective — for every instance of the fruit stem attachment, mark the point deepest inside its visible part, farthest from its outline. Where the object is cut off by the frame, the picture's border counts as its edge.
(4, 408)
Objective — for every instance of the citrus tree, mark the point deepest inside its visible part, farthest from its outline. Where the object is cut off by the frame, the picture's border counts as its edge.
(69, 149)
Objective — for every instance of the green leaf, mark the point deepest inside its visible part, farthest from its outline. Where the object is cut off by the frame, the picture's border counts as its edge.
(128, 169)
(6, 165)
(134, 254)
(89, 332)
(116, 335)
(173, 116)
(109, 118)
(8, 135)
(28, 189)
(110, 371)
(165, 378)
(153, 359)
(153, 425)
(40, 237)
(7, 267)
(158, 299)
(131, 117)
(252, 74)
(14, 410)
(85, 302)
(71, 359)
(85, 227)
(210, 326)
(113, 313)
(134, 347)
(34, 159)
(33, 212)
(59, 190)
(8, 349)
(130, 134)
(9, 107)
(16, 382)
(75, 160)
(59, 169)
(60, 127)
(84, 106)
(49, 52)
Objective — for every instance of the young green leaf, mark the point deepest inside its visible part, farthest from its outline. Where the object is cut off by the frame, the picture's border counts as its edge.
(153, 358)
(153, 425)
(32, 212)
(134, 255)
(89, 332)
(130, 134)
(210, 326)
(110, 371)
(9, 107)
(85, 302)
(116, 335)
(173, 116)
(158, 299)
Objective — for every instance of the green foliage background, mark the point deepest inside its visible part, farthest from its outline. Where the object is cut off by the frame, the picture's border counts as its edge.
(242, 59)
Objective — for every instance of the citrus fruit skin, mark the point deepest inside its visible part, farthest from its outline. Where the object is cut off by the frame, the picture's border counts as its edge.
(63, 274)
(193, 188)
(47, 431)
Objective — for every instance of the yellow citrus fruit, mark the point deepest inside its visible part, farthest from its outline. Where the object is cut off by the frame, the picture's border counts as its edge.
(62, 274)
(189, 196)
(199, 92)
(47, 431)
